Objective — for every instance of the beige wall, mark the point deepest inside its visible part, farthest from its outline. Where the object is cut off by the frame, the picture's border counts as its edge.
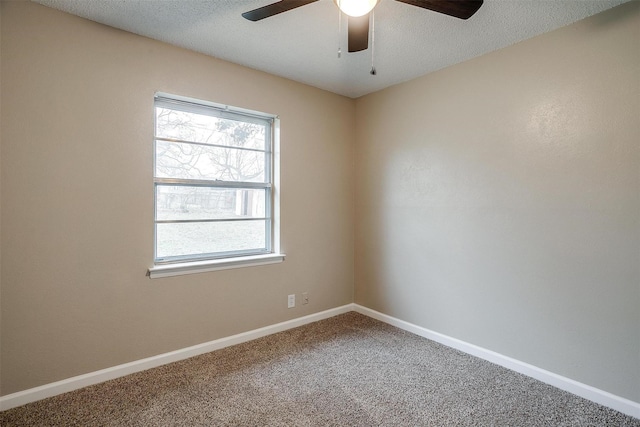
(498, 201)
(77, 218)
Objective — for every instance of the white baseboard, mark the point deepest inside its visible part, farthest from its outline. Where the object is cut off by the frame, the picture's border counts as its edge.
(48, 390)
(601, 397)
(588, 392)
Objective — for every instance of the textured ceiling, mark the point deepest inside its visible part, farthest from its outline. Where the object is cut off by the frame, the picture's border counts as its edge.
(302, 44)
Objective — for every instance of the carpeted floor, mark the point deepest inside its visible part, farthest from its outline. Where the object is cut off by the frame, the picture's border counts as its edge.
(349, 370)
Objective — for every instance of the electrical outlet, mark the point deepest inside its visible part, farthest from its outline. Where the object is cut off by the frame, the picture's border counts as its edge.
(291, 301)
(305, 298)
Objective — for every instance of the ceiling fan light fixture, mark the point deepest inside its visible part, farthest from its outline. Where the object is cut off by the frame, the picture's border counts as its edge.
(356, 8)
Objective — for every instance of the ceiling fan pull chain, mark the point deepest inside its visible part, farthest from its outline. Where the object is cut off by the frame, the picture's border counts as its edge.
(373, 42)
(339, 30)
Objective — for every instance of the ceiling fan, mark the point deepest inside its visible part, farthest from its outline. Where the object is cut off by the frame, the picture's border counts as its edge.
(358, 14)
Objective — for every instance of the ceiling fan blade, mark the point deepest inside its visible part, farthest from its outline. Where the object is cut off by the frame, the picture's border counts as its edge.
(462, 9)
(358, 33)
(274, 9)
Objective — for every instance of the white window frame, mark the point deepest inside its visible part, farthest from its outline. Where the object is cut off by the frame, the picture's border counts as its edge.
(179, 265)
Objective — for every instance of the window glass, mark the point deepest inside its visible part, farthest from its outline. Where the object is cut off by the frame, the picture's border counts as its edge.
(193, 161)
(213, 181)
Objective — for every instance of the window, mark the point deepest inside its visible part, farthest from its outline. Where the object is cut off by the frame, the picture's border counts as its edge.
(213, 181)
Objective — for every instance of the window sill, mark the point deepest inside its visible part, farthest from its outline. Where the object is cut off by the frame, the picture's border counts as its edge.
(178, 269)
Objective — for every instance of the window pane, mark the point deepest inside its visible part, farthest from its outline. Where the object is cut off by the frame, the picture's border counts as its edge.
(199, 148)
(189, 126)
(191, 161)
(188, 203)
(179, 239)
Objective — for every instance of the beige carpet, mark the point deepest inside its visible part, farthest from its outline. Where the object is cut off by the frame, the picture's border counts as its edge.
(349, 370)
